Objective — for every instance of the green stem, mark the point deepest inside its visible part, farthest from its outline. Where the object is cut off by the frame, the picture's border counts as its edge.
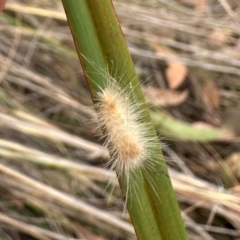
(102, 48)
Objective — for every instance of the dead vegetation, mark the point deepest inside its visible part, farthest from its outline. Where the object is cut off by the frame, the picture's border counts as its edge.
(53, 184)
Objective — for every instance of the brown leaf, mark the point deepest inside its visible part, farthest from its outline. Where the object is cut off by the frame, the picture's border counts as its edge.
(211, 95)
(176, 74)
(176, 71)
(165, 98)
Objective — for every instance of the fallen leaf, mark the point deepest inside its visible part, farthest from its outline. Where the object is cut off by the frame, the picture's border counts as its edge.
(165, 97)
(176, 74)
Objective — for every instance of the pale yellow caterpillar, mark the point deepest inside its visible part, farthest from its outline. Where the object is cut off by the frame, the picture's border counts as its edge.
(127, 136)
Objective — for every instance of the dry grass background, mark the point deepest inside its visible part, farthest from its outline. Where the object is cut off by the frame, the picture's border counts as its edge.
(52, 181)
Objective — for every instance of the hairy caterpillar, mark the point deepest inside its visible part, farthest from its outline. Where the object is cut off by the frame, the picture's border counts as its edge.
(129, 138)
(125, 135)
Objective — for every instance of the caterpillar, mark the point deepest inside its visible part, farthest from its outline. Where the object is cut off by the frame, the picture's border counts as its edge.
(128, 137)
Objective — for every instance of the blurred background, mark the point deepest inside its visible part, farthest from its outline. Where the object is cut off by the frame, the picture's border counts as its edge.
(53, 184)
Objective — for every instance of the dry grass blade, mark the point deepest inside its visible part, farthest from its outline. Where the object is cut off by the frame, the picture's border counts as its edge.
(68, 201)
(9, 149)
(52, 134)
(34, 231)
